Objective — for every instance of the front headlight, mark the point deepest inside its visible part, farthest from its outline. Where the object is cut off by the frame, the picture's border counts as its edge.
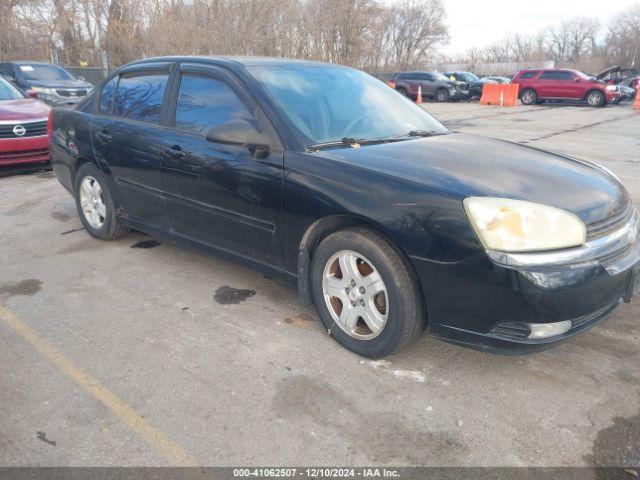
(44, 91)
(612, 88)
(518, 226)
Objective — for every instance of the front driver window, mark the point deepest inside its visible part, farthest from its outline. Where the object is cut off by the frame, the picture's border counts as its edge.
(204, 102)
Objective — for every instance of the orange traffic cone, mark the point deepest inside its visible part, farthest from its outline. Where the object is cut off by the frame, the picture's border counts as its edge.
(419, 97)
(636, 105)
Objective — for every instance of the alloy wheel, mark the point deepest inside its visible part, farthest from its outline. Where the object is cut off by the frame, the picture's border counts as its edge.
(528, 98)
(355, 295)
(594, 99)
(92, 202)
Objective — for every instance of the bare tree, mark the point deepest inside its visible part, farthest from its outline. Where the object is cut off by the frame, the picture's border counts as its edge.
(416, 27)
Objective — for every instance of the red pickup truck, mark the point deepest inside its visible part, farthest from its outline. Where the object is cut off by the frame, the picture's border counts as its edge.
(537, 86)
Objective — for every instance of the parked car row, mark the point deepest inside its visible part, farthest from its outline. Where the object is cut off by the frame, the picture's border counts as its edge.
(536, 85)
(443, 87)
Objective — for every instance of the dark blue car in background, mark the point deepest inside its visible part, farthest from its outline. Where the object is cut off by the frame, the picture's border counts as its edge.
(325, 177)
(46, 81)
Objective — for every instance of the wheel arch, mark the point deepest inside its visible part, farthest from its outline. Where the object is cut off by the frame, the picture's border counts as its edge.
(324, 227)
(82, 160)
(528, 88)
(590, 91)
(75, 166)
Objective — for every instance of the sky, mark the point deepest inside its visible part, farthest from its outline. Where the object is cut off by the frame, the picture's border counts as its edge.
(481, 22)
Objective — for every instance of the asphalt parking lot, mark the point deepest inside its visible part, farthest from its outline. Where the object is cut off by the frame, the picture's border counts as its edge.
(137, 352)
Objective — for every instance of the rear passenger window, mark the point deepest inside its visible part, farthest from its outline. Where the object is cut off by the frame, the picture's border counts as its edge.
(139, 96)
(204, 102)
(106, 96)
(556, 75)
(566, 76)
(528, 74)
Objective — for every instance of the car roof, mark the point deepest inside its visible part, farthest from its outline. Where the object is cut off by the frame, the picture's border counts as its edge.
(25, 62)
(246, 61)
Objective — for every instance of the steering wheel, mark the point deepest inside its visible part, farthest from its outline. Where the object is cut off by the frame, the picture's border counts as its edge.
(353, 123)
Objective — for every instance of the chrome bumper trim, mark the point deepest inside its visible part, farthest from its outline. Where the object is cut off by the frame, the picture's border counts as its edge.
(595, 251)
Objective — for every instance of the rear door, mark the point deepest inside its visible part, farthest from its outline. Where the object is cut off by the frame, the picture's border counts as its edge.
(127, 136)
(427, 82)
(219, 194)
(560, 84)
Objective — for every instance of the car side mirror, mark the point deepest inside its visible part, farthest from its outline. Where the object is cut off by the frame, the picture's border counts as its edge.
(32, 94)
(241, 133)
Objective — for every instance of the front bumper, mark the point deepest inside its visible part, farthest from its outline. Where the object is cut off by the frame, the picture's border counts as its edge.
(26, 150)
(488, 302)
(56, 101)
(611, 95)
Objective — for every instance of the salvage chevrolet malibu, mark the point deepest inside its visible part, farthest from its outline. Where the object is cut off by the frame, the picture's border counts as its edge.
(325, 177)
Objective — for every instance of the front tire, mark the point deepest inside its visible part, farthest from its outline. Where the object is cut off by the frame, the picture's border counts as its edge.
(95, 205)
(529, 97)
(595, 98)
(402, 91)
(443, 95)
(366, 293)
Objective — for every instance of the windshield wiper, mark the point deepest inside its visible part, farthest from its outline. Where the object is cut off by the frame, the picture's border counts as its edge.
(357, 142)
(425, 133)
(343, 142)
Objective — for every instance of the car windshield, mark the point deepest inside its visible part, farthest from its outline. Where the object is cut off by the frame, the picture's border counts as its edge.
(8, 91)
(332, 103)
(439, 76)
(44, 72)
(469, 77)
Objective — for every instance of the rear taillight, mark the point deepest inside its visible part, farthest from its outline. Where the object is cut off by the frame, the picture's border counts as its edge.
(50, 123)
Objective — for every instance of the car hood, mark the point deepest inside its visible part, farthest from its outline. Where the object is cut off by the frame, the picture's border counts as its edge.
(59, 84)
(23, 110)
(608, 70)
(468, 165)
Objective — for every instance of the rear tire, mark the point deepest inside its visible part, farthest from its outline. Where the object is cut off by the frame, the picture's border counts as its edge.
(358, 278)
(443, 95)
(95, 204)
(529, 97)
(595, 98)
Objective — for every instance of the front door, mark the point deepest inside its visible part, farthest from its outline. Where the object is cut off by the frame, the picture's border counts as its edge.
(219, 194)
(127, 135)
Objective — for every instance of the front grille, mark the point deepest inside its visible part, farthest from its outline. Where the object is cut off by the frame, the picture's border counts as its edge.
(71, 93)
(610, 224)
(24, 154)
(33, 129)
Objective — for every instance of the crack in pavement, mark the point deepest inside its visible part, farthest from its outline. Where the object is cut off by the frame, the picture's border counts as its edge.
(581, 127)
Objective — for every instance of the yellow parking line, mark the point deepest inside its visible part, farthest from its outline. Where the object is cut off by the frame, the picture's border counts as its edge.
(173, 452)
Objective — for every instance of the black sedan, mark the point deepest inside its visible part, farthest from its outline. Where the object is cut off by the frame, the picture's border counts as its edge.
(470, 82)
(323, 176)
